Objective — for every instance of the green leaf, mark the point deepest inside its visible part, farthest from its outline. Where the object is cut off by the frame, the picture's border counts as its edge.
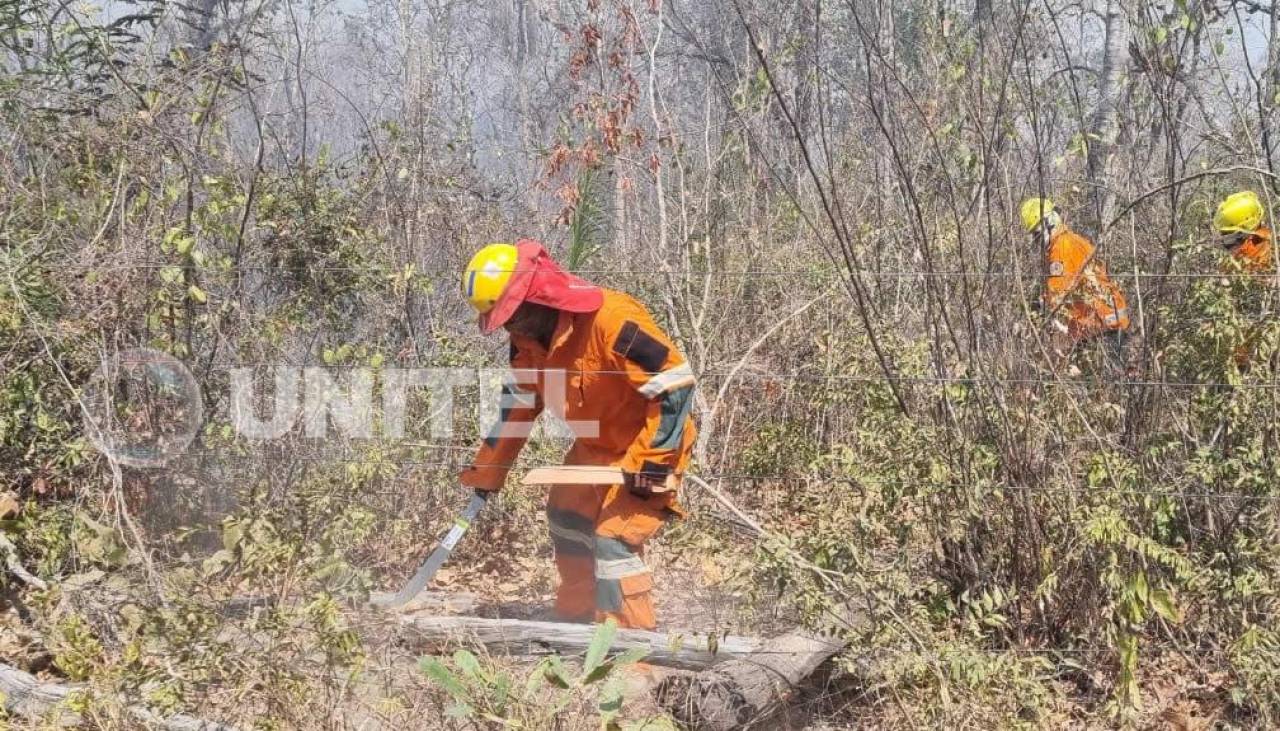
(442, 676)
(611, 700)
(630, 657)
(597, 673)
(232, 532)
(217, 562)
(197, 294)
(653, 723)
(468, 664)
(1140, 589)
(459, 710)
(536, 678)
(600, 643)
(500, 691)
(555, 674)
(1162, 602)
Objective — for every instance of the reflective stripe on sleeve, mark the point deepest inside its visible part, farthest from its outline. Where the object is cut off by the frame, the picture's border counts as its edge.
(668, 380)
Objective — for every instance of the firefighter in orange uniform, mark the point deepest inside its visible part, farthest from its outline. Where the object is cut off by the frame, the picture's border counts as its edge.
(1079, 296)
(1239, 220)
(596, 358)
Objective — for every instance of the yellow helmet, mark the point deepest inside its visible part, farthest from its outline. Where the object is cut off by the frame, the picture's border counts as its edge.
(1240, 212)
(1034, 210)
(487, 275)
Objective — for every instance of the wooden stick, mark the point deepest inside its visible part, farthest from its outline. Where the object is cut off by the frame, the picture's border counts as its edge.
(675, 649)
(573, 475)
(12, 562)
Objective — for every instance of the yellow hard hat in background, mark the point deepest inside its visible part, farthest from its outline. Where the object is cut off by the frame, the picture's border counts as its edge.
(487, 274)
(1034, 210)
(1240, 212)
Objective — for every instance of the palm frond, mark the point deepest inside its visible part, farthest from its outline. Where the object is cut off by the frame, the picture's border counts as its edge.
(591, 225)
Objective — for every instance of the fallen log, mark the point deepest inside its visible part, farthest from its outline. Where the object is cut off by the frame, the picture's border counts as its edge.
(674, 649)
(26, 696)
(748, 689)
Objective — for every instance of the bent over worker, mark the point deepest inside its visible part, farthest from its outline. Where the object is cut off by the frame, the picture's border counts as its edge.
(1239, 220)
(1078, 294)
(622, 378)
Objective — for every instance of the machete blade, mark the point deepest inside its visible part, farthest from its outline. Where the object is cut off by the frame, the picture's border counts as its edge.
(428, 570)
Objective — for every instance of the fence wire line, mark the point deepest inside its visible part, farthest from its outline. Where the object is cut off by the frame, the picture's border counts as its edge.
(389, 270)
(768, 375)
(797, 477)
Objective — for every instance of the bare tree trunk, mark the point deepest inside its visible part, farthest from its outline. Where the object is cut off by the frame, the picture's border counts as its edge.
(1104, 126)
(1273, 86)
(200, 19)
(984, 18)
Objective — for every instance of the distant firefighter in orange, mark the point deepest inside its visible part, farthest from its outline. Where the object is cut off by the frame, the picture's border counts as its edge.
(1079, 296)
(1239, 220)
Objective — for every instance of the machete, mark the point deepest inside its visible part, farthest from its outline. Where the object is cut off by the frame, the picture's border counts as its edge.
(565, 475)
(437, 558)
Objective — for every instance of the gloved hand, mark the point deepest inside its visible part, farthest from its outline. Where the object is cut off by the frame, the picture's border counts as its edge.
(646, 484)
(481, 480)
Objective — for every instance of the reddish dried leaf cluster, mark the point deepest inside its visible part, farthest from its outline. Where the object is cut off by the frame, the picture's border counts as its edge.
(602, 50)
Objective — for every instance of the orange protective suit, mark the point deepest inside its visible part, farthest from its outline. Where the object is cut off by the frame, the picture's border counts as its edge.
(623, 376)
(1254, 251)
(1079, 290)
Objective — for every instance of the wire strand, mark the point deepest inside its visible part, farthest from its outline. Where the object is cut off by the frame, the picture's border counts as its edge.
(391, 270)
(826, 478)
(778, 376)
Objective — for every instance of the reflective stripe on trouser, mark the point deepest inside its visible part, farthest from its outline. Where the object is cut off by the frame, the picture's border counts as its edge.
(571, 533)
(615, 562)
(571, 518)
(1114, 319)
(609, 579)
(623, 582)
